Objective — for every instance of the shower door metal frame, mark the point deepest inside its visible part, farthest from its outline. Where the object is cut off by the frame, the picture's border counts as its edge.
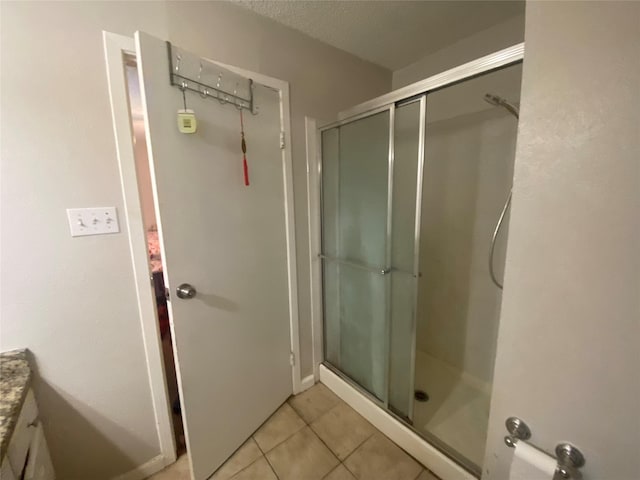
(466, 71)
(388, 284)
(495, 61)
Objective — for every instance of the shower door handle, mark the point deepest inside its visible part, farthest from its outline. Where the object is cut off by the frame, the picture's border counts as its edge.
(362, 266)
(405, 272)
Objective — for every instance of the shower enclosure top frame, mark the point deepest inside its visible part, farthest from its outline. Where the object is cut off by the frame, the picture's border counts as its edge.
(493, 61)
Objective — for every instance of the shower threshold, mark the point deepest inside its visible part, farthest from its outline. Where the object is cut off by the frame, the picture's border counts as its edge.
(430, 453)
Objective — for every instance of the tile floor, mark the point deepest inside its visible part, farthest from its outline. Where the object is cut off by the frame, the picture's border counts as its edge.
(313, 436)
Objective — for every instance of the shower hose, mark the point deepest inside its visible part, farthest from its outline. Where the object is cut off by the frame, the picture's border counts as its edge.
(496, 231)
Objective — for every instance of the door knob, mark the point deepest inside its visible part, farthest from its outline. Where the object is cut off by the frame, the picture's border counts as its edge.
(185, 291)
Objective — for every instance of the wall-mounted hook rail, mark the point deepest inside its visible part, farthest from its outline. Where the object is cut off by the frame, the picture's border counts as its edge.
(183, 82)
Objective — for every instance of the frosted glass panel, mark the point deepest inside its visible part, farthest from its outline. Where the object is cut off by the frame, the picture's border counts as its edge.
(363, 328)
(331, 281)
(403, 284)
(355, 160)
(364, 158)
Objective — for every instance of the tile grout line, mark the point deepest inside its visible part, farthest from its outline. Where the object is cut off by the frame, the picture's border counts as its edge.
(339, 400)
(282, 441)
(271, 467)
(360, 444)
(305, 424)
(323, 442)
(375, 430)
(308, 424)
(242, 469)
(332, 470)
(258, 445)
(264, 455)
(347, 469)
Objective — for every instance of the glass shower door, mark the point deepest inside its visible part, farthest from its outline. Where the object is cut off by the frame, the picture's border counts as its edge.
(470, 140)
(354, 209)
(410, 199)
(370, 183)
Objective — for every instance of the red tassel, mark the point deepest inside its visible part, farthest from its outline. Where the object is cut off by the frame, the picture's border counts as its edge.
(246, 171)
(243, 146)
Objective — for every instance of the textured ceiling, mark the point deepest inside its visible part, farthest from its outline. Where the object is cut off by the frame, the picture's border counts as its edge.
(392, 34)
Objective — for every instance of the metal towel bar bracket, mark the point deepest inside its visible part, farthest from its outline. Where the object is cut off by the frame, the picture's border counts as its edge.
(570, 459)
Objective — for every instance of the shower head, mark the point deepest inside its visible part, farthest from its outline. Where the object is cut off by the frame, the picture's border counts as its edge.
(501, 102)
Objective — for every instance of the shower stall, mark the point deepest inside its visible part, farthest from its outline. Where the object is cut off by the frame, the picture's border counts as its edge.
(414, 199)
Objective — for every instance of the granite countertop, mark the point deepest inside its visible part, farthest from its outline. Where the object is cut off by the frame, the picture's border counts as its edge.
(15, 379)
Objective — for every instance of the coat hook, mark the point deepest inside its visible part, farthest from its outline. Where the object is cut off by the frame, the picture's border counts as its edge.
(204, 91)
(222, 98)
(236, 101)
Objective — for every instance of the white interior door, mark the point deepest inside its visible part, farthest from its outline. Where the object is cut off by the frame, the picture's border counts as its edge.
(229, 241)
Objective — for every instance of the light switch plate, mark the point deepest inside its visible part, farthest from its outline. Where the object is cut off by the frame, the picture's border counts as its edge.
(93, 221)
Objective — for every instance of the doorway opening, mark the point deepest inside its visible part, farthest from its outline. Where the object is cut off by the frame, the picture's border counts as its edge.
(156, 267)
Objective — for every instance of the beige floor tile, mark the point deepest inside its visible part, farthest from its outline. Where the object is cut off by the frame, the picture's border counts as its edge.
(314, 402)
(280, 426)
(340, 473)
(243, 457)
(302, 457)
(258, 470)
(427, 475)
(342, 429)
(380, 459)
(176, 471)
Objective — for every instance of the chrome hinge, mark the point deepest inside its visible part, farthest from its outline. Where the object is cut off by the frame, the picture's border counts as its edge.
(281, 140)
(292, 359)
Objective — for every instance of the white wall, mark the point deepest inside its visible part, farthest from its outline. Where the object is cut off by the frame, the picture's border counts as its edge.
(501, 35)
(71, 301)
(568, 357)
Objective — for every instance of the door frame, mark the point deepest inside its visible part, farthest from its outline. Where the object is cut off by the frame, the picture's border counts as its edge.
(115, 48)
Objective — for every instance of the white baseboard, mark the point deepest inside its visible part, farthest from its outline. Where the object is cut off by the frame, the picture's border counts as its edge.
(303, 384)
(307, 382)
(421, 450)
(145, 470)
